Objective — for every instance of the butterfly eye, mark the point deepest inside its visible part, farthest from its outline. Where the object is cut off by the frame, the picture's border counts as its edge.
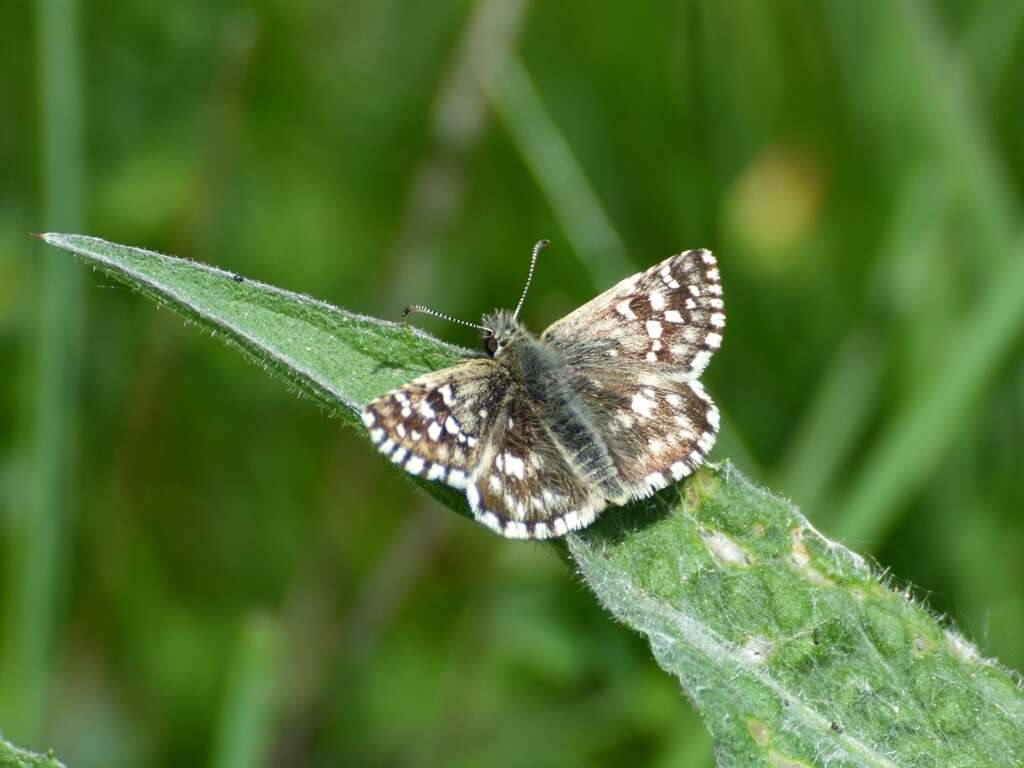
(491, 345)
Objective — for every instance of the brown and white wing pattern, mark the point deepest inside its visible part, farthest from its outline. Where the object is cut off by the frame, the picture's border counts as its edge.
(668, 320)
(658, 431)
(524, 486)
(635, 354)
(436, 425)
(623, 387)
(472, 427)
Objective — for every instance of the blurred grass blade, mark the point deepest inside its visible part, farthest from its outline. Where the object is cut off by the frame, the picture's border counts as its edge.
(339, 358)
(930, 102)
(246, 722)
(932, 418)
(833, 421)
(792, 648)
(35, 539)
(558, 173)
(13, 757)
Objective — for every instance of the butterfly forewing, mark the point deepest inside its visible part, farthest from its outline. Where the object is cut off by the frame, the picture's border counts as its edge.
(436, 425)
(668, 319)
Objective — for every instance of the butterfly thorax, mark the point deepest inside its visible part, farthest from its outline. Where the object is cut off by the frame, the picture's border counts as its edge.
(538, 368)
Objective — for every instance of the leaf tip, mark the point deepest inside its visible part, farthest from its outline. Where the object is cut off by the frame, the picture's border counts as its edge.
(51, 238)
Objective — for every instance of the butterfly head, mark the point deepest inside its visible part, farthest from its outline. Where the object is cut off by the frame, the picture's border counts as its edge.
(499, 330)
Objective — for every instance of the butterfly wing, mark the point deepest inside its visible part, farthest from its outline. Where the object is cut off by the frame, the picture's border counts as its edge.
(524, 487)
(667, 320)
(472, 427)
(634, 354)
(656, 430)
(436, 425)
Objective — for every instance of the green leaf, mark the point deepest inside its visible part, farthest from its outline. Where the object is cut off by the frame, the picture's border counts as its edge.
(794, 650)
(13, 757)
(339, 358)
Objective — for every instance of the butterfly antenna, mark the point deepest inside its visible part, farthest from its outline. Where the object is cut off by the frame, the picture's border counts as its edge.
(421, 310)
(540, 246)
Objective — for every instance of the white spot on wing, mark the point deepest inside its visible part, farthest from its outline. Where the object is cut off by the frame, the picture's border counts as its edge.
(368, 419)
(414, 465)
(655, 480)
(657, 301)
(624, 309)
(701, 360)
(713, 418)
(642, 405)
(446, 394)
(516, 530)
(653, 329)
(434, 430)
(673, 316)
(514, 466)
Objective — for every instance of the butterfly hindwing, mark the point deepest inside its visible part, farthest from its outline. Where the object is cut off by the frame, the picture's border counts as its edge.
(524, 486)
(635, 353)
(657, 430)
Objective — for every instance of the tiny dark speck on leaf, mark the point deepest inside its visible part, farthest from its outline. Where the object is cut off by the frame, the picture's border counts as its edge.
(238, 278)
(837, 727)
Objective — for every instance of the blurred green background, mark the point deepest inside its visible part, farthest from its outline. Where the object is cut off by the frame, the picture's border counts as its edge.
(199, 568)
